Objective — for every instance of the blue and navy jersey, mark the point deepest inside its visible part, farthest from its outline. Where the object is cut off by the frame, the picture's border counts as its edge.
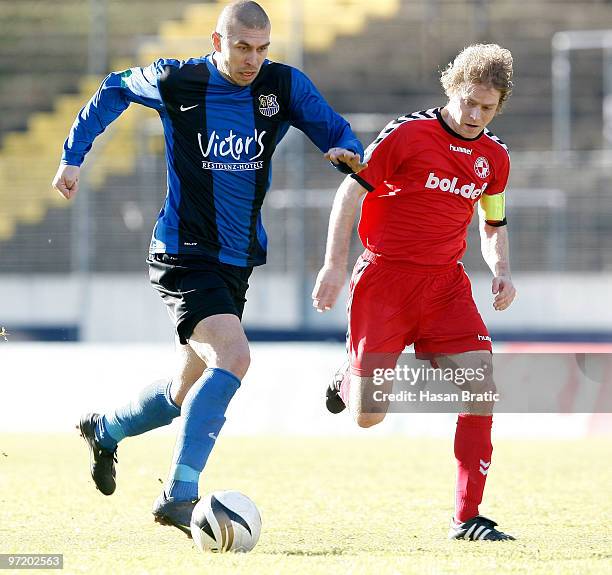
(220, 138)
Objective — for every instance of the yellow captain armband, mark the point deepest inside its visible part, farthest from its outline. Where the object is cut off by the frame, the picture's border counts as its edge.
(494, 207)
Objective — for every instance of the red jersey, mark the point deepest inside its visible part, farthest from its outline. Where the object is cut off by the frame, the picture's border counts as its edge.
(424, 181)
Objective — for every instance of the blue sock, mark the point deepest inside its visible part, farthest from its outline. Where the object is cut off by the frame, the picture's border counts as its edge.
(151, 409)
(204, 415)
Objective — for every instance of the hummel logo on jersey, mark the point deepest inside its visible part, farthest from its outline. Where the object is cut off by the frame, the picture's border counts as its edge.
(484, 337)
(469, 191)
(467, 151)
(484, 467)
(185, 108)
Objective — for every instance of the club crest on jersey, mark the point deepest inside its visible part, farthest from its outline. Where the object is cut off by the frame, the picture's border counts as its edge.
(481, 167)
(268, 106)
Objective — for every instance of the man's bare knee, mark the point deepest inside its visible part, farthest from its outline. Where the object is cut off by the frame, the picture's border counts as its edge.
(239, 363)
(234, 358)
(365, 408)
(368, 419)
(482, 397)
(480, 385)
(220, 341)
(486, 386)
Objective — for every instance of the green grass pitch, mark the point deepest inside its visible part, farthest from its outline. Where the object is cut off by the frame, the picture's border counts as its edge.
(355, 505)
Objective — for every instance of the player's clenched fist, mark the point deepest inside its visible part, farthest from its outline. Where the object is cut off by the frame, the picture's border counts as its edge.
(66, 180)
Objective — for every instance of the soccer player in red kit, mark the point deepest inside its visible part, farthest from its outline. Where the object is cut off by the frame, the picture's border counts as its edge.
(427, 172)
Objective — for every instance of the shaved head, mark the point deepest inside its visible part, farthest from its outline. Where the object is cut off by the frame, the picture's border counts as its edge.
(244, 13)
(241, 41)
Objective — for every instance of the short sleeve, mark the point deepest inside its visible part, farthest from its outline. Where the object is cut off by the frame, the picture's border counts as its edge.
(384, 155)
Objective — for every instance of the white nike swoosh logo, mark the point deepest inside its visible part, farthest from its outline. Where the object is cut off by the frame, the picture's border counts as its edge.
(212, 436)
(185, 108)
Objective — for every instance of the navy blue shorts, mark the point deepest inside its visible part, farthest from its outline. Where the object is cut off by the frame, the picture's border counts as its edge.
(194, 288)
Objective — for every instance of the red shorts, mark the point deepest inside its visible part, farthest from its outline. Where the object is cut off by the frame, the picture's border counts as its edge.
(393, 305)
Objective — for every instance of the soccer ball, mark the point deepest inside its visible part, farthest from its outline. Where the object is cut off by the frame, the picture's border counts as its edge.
(225, 521)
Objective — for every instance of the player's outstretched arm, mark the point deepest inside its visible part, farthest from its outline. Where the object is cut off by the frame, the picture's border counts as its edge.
(495, 251)
(327, 129)
(112, 98)
(332, 275)
(66, 180)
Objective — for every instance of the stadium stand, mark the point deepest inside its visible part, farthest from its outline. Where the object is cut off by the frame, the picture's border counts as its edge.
(27, 199)
(385, 60)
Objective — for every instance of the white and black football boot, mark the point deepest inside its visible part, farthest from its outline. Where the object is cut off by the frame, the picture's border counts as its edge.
(477, 528)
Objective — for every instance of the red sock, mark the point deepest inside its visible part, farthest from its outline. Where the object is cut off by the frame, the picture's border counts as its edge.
(473, 453)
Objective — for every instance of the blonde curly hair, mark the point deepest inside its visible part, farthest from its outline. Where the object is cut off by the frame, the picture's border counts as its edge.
(487, 64)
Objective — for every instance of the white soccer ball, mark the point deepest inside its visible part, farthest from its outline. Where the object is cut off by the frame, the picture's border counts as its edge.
(225, 521)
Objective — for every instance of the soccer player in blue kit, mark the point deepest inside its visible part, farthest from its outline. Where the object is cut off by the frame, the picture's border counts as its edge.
(223, 115)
